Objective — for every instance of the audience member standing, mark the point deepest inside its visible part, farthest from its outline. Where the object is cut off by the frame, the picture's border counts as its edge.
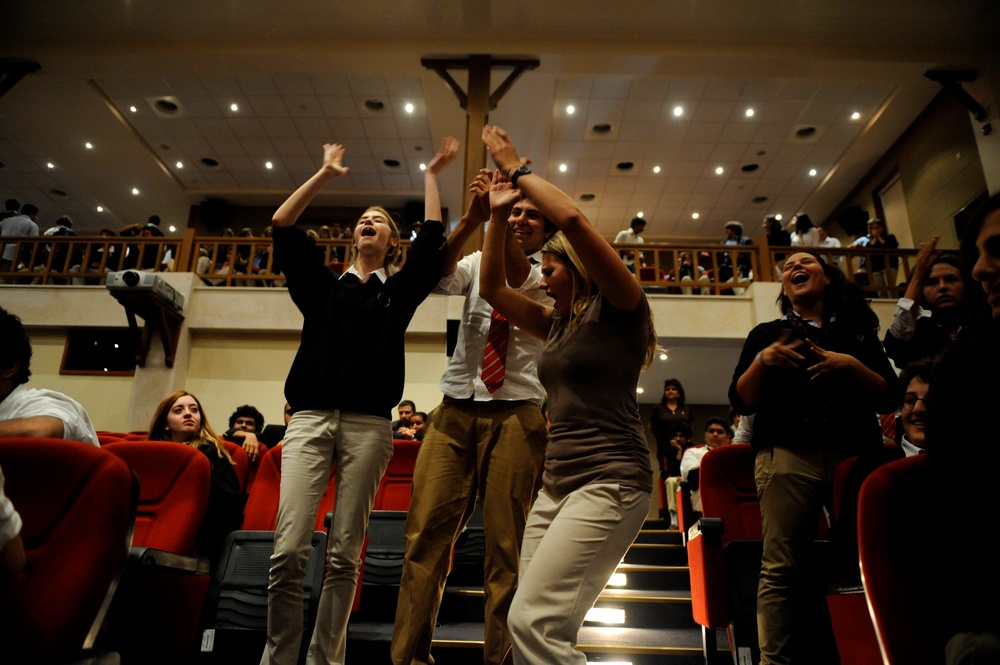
(814, 380)
(803, 232)
(23, 224)
(631, 236)
(828, 241)
(344, 381)
(485, 440)
(962, 448)
(879, 238)
(671, 411)
(599, 335)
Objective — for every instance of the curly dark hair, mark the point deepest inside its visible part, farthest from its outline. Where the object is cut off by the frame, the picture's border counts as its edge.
(15, 347)
(841, 298)
(247, 411)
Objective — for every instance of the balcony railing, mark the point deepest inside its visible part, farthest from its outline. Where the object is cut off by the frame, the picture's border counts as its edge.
(671, 268)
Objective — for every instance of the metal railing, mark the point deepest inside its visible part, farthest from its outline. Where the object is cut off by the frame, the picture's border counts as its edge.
(671, 268)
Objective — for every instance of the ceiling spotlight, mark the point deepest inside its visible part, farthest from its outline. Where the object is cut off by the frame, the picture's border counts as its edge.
(179, 165)
(423, 167)
(640, 214)
(268, 165)
(135, 191)
(749, 113)
(719, 170)
(408, 108)
(663, 356)
(570, 109)
(656, 169)
(233, 107)
(50, 165)
(100, 208)
(812, 172)
(855, 116)
(172, 230)
(88, 145)
(678, 111)
(695, 215)
(778, 216)
(562, 168)
(640, 390)
(133, 109)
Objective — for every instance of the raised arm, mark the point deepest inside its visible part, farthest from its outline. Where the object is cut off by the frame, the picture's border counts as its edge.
(477, 213)
(613, 279)
(432, 197)
(519, 309)
(291, 209)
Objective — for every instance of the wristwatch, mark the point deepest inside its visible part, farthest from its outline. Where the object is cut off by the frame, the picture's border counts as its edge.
(520, 171)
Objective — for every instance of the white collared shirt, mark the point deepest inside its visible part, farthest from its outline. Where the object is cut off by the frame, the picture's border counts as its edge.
(463, 376)
(25, 402)
(380, 273)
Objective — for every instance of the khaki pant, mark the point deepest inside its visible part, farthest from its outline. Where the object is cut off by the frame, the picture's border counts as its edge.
(493, 449)
(362, 446)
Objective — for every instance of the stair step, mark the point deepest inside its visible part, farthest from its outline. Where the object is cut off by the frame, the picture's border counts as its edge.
(665, 536)
(654, 576)
(657, 553)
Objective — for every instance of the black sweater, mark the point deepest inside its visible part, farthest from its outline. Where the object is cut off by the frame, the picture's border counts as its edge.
(831, 413)
(351, 356)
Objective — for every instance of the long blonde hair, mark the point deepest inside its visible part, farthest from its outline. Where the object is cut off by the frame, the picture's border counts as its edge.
(585, 291)
(389, 262)
(206, 435)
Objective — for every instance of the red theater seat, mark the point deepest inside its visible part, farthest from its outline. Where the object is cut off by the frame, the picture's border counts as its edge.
(77, 504)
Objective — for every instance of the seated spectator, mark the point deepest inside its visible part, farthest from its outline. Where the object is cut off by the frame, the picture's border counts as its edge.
(418, 425)
(11, 547)
(717, 433)
(935, 311)
(179, 418)
(401, 428)
(34, 411)
(272, 435)
(244, 425)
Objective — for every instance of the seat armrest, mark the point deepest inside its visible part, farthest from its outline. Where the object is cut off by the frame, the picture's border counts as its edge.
(148, 557)
(711, 528)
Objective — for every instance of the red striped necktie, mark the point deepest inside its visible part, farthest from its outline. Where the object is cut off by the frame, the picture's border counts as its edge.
(495, 353)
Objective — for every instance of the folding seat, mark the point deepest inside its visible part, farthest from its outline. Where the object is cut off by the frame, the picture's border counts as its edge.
(77, 504)
(910, 603)
(255, 465)
(154, 617)
(242, 463)
(104, 436)
(396, 487)
(686, 515)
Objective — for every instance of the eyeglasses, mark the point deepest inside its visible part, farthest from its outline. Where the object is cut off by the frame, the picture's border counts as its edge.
(910, 401)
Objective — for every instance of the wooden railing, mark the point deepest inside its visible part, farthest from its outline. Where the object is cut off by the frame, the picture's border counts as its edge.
(672, 268)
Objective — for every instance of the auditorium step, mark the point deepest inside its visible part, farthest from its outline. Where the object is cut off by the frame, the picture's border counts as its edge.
(649, 614)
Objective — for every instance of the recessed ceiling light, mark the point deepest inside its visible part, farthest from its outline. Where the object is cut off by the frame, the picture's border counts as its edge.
(100, 208)
(855, 116)
(749, 113)
(695, 215)
(391, 163)
(813, 172)
(408, 108)
(179, 165)
(562, 168)
(778, 216)
(656, 169)
(209, 162)
(133, 109)
(423, 167)
(749, 168)
(678, 111)
(268, 165)
(570, 109)
(172, 230)
(624, 166)
(601, 128)
(719, 170)
(663, 356)
(88, 145)
(588, 197)
(640, 214)
(374, 105)
(135, 191)
(50, 165)
(640, 390)
(234, 107)
(759, 199)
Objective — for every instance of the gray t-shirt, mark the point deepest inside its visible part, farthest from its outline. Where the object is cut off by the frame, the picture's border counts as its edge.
(590, 374)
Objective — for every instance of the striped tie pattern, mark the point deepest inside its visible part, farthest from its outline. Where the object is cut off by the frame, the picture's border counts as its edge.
(495, 354)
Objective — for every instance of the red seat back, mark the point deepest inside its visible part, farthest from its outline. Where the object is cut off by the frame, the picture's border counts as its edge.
(728, 491)
(261, 512)
(77, 504)
(896, 551)
(174, 482)
(396, 487)
(242, 463)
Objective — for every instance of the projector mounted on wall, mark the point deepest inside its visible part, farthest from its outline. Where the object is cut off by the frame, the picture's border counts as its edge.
(138, 281)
